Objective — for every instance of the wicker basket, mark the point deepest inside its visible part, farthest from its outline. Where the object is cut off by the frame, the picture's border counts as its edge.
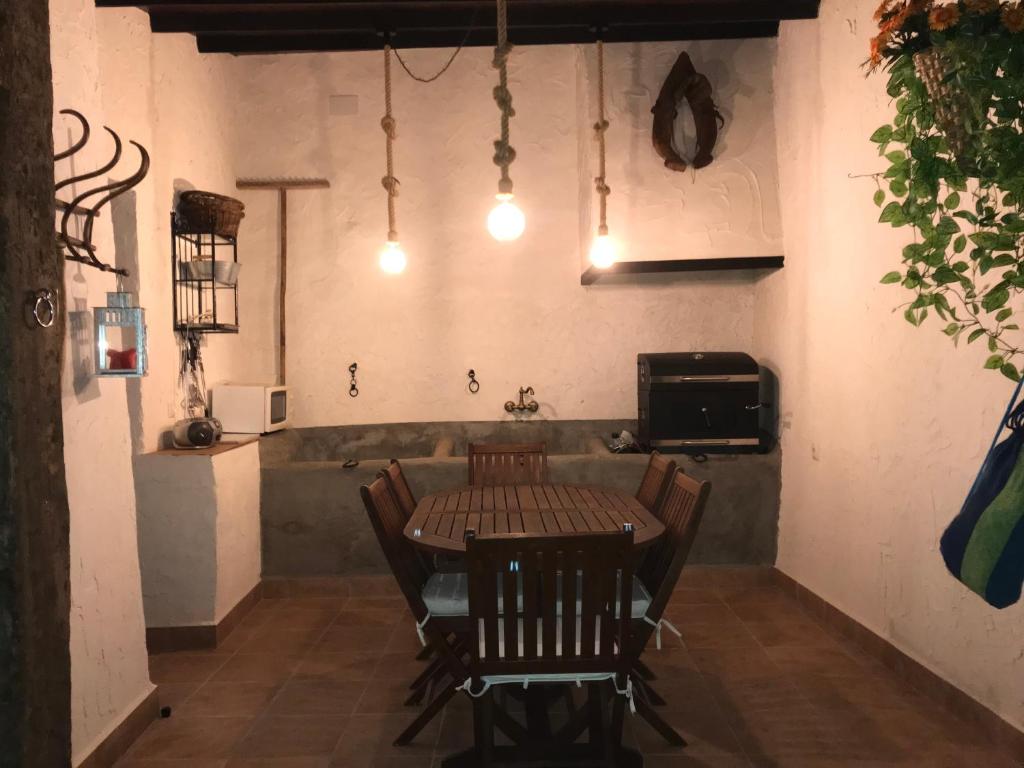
(949, 103)
(209, 212)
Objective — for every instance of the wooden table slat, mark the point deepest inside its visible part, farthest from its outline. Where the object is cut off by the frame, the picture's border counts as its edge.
(464, 498)
(458, 532)
(524, 494)
(532, 522)
(515, 522)
(541, 495)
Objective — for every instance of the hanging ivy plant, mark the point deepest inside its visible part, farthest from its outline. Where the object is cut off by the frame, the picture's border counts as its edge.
(955, 176)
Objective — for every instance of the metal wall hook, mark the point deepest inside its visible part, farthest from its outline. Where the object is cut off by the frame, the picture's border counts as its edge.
(44, 307)
(353, 390)
(474, 385)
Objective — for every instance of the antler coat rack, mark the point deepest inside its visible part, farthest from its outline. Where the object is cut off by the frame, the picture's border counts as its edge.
(81, 249)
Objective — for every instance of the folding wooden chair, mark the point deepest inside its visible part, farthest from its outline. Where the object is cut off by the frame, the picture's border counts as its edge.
(438, 602)
(572, 627)
(681, 510)
(508, 464)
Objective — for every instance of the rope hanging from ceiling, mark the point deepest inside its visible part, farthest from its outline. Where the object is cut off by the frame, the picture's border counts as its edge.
(389, 182)
(601, 128)
(504, 153)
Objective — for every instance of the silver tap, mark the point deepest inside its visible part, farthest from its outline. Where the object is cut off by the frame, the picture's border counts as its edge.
(522, 405)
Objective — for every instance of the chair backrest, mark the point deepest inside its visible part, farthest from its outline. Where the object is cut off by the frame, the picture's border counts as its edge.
(388, 523)
(655, 481)
(400, 488)
(408, 568)
(508, 464)
(522, 590)
(681, 511)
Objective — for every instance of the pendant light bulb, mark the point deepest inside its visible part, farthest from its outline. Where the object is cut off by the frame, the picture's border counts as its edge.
(506, 221)
(603, 251)
(392, 258)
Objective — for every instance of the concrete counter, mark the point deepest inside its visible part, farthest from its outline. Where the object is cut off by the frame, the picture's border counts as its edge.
(314, 523)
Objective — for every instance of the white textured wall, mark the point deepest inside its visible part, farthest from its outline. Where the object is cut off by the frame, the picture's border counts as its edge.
(237, 474)
(177, 501)
(160, 92)
(729, 208)
(515, 313)
(182, 106)
(109, 674)
(199, 534)
(885, 425)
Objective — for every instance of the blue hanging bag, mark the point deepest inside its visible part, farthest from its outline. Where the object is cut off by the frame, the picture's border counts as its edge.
(984, 545)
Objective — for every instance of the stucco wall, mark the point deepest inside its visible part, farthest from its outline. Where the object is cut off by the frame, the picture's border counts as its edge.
(515, 313)
(182, 106)
(731, 207)
(109, 673)
(237, 474)
(160, 92)
(884, 425)
(199, 534)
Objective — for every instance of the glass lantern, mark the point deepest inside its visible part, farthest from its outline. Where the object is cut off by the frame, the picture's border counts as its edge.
(120, 337)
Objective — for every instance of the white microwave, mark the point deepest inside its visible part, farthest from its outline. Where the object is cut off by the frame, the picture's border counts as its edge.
(250, 408)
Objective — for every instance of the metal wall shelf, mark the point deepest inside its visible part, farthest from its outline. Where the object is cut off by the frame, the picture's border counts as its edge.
(203, 304)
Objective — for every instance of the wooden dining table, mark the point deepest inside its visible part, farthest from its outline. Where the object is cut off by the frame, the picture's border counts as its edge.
(441, 519)
(440, 522)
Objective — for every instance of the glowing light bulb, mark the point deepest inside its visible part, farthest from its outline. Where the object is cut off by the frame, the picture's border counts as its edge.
(603, 252)
(505, 221)
(392, 258)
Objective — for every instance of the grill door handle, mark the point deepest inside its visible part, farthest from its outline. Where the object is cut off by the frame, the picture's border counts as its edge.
(707, 416)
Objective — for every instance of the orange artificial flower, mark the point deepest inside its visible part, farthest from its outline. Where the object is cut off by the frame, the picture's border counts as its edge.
(1013, 18)
(943, 17)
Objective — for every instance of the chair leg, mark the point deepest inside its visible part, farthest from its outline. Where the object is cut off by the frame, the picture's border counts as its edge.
(649, 693)
(425, 653)
(611, 739)
(426, 674)
(483, 724)
(645, 672)
(432, 709)
(421, 686)
(644, 710)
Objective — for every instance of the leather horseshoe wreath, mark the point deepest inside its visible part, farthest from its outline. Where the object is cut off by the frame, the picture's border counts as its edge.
(685, 82)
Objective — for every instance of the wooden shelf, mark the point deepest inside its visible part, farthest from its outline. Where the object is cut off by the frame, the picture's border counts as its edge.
(593, 274)
(222, 447)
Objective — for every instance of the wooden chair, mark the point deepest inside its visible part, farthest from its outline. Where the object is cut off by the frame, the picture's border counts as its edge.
(544, 642)
(508, 464)
(681, 510)
(400, 488)
(655, 481)
(434, 604)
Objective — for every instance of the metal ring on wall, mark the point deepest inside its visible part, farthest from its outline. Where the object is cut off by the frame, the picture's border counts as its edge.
(44, 299)
(474, 385)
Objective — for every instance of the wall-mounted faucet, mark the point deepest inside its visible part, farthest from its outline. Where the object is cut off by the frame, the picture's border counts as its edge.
(522, 405)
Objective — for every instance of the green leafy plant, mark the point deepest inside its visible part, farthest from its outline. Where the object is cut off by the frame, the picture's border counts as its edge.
(965, 264)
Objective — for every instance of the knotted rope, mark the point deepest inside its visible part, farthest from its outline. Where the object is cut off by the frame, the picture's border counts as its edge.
(504, 154)
(389, 182)
(600, 128)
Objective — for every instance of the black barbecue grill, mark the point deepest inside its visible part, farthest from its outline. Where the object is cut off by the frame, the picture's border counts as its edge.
(699, 402)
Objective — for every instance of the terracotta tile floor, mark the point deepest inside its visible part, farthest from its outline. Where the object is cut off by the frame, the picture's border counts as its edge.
(319, 683)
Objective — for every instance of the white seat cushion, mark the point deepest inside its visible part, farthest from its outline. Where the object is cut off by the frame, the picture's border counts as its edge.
(447, 594)
(641, 598)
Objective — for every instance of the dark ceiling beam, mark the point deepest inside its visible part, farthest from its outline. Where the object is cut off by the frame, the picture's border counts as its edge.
(406, 15)
(286, 26)
(309, 42)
